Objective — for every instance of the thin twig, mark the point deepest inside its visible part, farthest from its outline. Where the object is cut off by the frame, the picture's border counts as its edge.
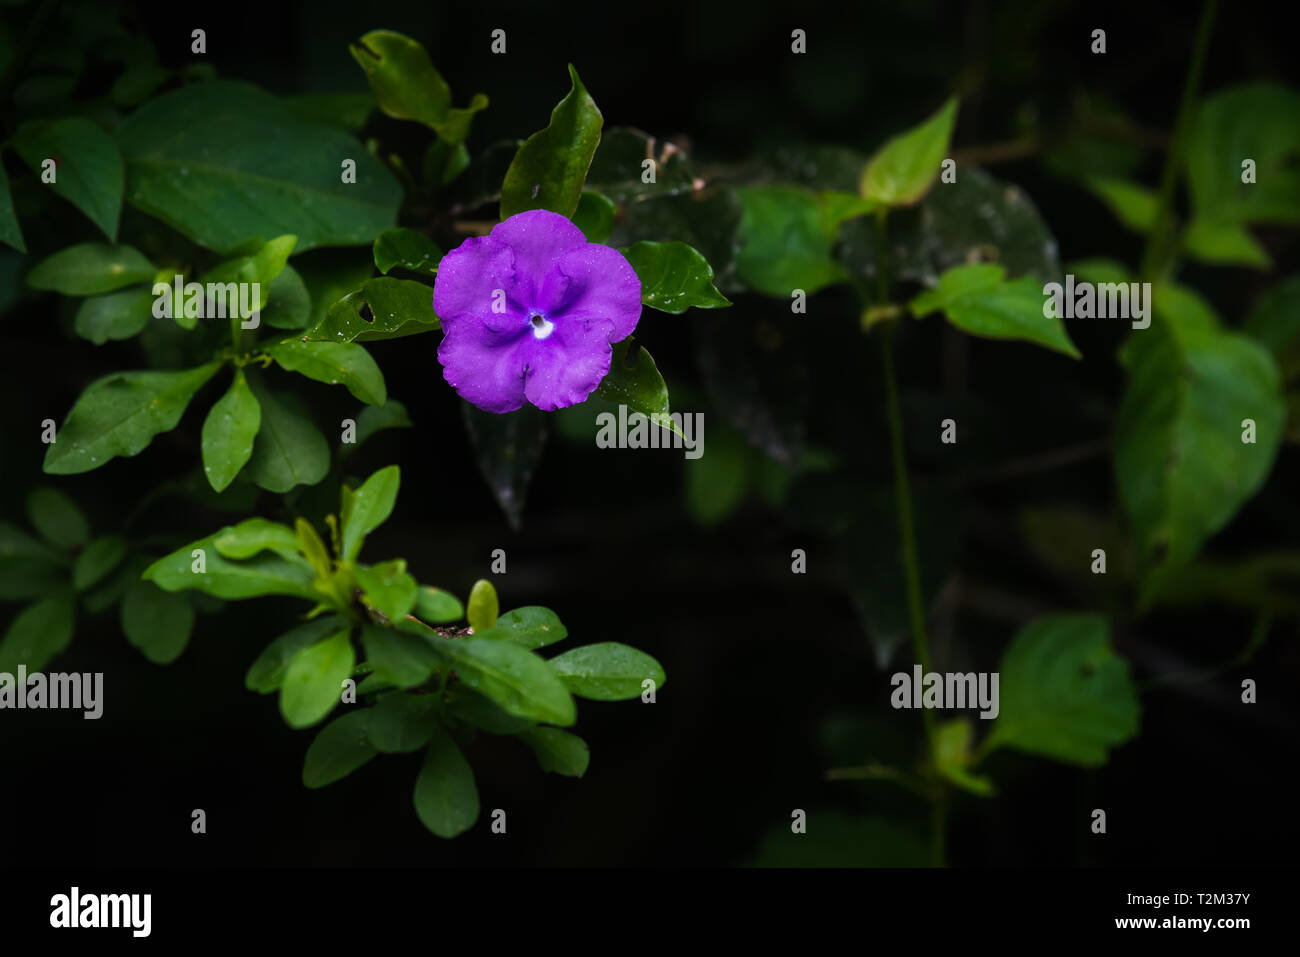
(1045, 461)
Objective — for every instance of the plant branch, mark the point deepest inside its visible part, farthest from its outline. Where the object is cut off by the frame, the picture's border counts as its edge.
(1057, 458)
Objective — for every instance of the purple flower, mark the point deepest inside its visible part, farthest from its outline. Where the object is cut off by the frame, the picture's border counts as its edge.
(529, 312)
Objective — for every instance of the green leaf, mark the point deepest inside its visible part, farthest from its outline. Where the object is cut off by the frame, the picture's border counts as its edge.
(529, 627)
(874, 576)
(1182, 468)
(406, 85)
(634, 380)
(89, 269)
(262, 265)
(396, 658)
(1224, 244)
(835, 839)
(409, 250)
(484, 714)
(785, 242)
(1099, 271)
(11, 234)
(157, 622)
(978, 300)
(342, 747)
(446, 799)
(1260, 122)
(118, 315)
(1064, 692)
(37, 634)
(558, 751)
(520, 682)
(401, 723)
(385, 308)
(24, 579)
(347, 110)
(976, 219)
(391, 415)
(120, 414)
(87, 166)
(140, 80)
(607, 671)
(718, 483)
(255, 535)
(334, 363)
(952, 757)
(1275, 322)
(111, 591)
(902, 170)
(267, 673)
(96, 560)
(229, 432)
(483, 606)
(289, 450)
(1055, 534)
(619, 167)
(756, 375)
(312, 548)
(594, 216)
(507, 448)
(15, 544)
(223, 161)
(370, 507)
(443, 162)
(287, 301)
(438, 606)
(674, 277)
(388, 587)
(551, 166)
(214, 574)
(313, 684)
(839, 208)
(1134, 206)
(708, 221)
(57, 518)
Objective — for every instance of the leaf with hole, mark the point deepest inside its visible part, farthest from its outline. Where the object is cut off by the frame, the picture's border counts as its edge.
(384, 308)
(1064, 693)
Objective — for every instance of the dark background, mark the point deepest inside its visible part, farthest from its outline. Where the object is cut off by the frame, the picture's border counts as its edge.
(759, 660)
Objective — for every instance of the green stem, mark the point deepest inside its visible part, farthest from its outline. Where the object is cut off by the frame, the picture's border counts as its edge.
(907, 534)
(906, 523)
(1156, 259)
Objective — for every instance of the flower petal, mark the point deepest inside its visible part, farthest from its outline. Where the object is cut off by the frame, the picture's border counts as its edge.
(486, 369)
(537, 237)
(568, 365)
(468, 278)
(597, 285)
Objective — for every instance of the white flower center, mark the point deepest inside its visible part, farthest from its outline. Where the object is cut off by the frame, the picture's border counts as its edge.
(542, 327)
